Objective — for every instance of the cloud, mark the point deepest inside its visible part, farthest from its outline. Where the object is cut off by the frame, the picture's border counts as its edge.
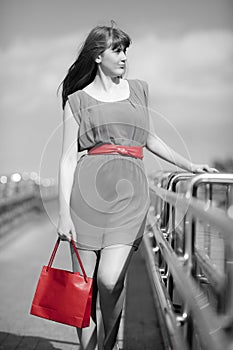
(197, 64)
(31, 70)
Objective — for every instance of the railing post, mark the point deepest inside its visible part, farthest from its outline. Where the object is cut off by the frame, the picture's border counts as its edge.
(229, 283)
(191, 261)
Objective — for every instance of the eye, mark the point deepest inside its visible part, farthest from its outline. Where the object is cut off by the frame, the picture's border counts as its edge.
(119, 49)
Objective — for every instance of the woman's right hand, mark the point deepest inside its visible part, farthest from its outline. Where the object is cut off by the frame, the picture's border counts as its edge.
(65, 228)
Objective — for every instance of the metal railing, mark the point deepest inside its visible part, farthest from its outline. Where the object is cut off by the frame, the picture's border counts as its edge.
(189, 254)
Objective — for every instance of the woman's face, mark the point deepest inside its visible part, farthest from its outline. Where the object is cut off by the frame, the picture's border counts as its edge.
(113, 62)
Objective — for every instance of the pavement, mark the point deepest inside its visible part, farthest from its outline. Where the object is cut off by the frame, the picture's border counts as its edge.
(22, 254)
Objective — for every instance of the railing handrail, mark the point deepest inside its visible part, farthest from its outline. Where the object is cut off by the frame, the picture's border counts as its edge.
(216, 278)
(207, 178)
(181, 267)
(196, 209)
(176, 178)
(214, 216)
(174, 335)
(208, 322)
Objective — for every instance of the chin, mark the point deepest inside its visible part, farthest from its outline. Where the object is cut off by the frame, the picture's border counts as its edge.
(119, 74)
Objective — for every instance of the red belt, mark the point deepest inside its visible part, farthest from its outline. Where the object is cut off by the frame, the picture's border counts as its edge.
(133, 151)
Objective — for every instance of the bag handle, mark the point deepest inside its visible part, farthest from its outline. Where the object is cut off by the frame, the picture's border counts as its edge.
(76, 252)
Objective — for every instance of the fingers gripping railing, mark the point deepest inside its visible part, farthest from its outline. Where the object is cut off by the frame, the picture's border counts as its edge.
(178, 265)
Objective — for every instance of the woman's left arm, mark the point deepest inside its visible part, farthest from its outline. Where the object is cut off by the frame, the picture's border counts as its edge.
(162, 150)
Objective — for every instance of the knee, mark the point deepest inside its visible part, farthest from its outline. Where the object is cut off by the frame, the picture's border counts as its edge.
(110, 283)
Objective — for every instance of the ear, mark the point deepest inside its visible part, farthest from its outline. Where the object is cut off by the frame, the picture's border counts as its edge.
(98, 59)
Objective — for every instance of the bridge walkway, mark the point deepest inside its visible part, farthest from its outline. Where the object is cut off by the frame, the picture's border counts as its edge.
(23, 251)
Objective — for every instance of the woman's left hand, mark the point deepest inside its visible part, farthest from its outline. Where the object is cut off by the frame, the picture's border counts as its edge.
(203, 168)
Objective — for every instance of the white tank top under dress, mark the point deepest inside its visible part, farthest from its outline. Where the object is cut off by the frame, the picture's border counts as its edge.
(110, 194)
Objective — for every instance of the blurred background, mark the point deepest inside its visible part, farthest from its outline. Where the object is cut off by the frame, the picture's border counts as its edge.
(183, 49)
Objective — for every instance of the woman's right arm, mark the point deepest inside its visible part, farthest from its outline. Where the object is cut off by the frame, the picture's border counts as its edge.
(67, 165)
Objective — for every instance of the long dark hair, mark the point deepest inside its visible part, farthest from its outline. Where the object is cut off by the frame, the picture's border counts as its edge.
(83, 71)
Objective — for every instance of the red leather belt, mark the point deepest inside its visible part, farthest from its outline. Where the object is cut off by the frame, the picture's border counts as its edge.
(132, 151)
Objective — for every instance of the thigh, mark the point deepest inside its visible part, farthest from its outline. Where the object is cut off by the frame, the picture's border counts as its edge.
(89, 260)
(114, 262)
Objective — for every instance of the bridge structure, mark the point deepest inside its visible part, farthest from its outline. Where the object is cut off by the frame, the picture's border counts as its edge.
(189, 255)
(179, 288)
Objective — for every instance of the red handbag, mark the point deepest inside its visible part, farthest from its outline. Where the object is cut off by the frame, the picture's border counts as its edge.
(63, 296)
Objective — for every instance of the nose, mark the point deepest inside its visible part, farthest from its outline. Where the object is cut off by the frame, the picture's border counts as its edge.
(123, 56)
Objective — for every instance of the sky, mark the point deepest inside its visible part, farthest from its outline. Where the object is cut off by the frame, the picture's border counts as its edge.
(182, 48)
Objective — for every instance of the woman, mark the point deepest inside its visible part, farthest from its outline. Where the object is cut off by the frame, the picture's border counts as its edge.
(103, 194)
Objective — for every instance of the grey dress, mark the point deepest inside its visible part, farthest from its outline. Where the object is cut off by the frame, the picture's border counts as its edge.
(110, 196)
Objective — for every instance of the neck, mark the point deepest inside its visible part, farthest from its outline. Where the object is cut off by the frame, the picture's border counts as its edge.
(105, 83)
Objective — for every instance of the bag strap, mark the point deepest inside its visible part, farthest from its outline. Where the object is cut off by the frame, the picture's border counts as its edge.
(76, 252)
(79, 259)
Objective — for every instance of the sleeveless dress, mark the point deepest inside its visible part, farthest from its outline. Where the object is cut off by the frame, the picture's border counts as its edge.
(110, 193)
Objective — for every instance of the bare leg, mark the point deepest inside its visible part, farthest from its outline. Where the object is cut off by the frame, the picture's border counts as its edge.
(87, 336)
(114, 261)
